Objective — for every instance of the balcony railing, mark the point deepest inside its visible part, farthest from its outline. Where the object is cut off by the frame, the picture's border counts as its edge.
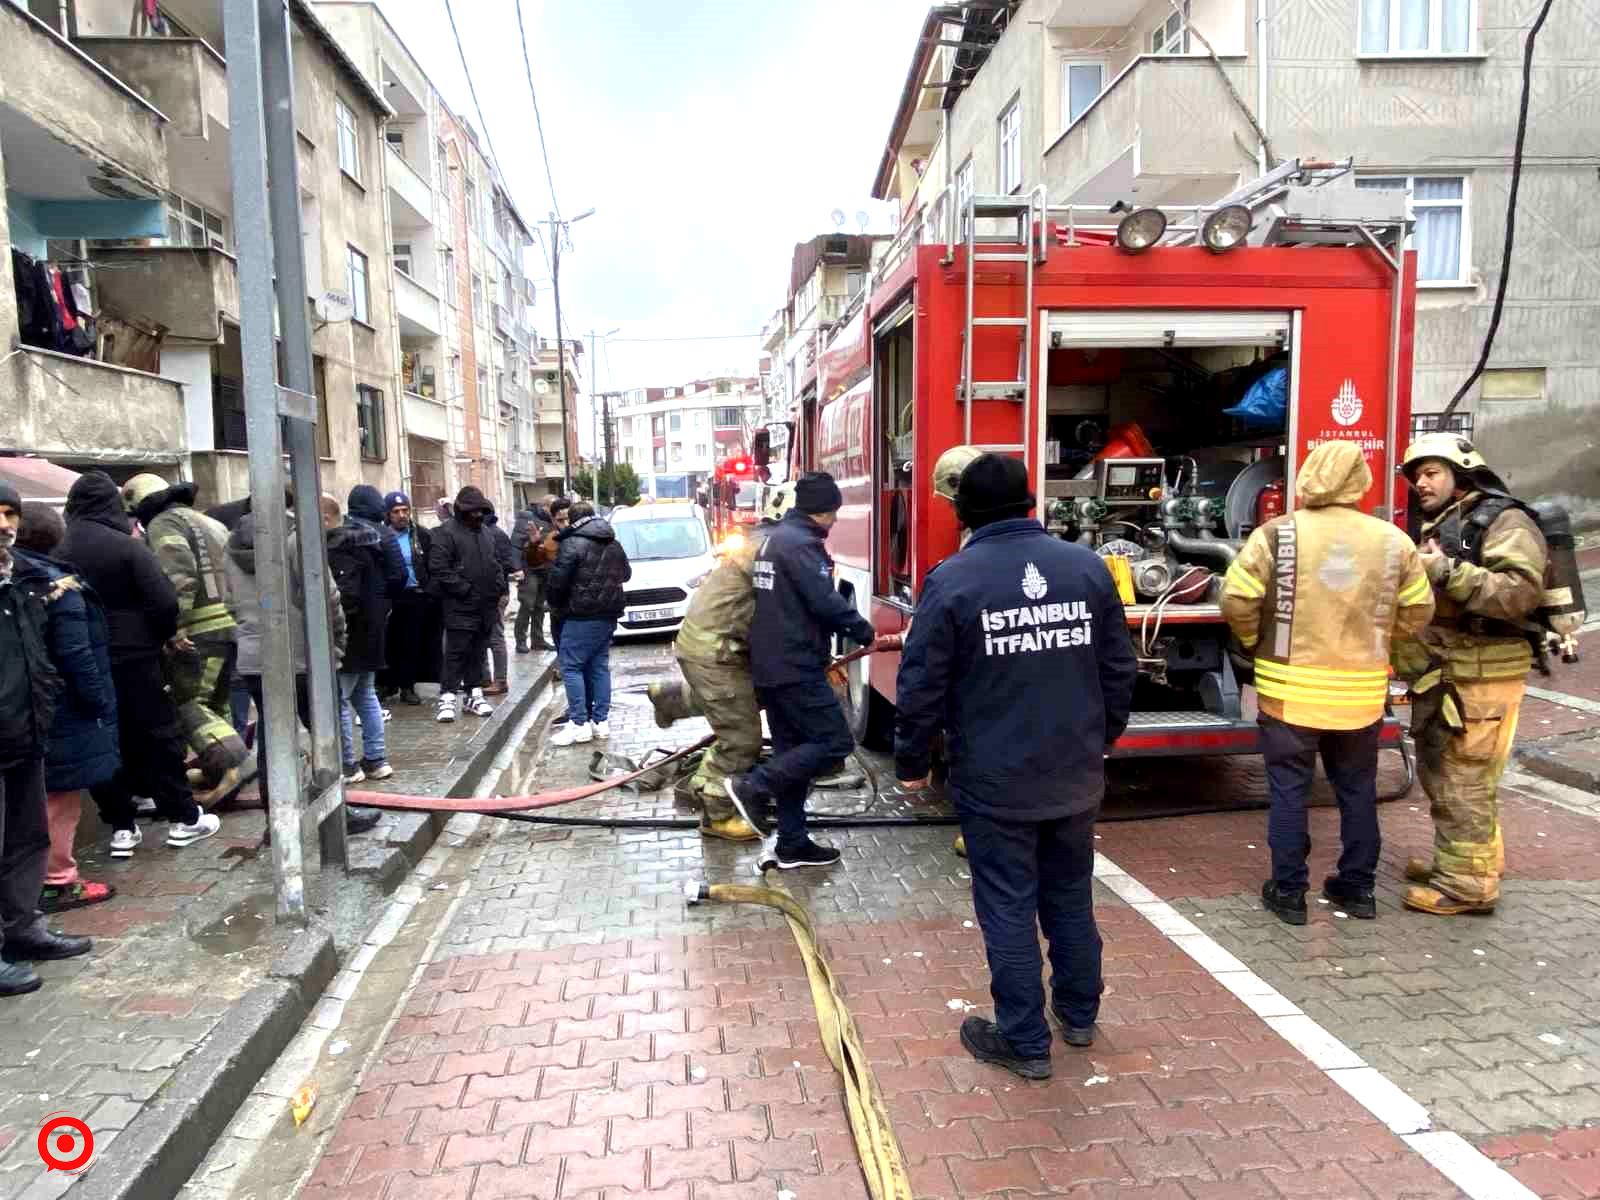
(187, 289)
(417, 308)
(410, 189)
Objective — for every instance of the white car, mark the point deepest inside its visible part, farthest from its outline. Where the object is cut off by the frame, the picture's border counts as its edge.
(669, 548)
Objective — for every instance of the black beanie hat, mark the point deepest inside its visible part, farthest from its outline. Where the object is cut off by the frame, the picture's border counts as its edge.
(994, 487)
(816, 492)
(10, 496)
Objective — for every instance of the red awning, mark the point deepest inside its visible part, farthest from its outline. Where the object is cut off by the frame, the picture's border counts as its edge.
(38, 479)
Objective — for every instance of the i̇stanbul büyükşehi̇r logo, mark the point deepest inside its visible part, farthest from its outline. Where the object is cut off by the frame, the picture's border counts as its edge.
(1347, 404)
(1033, 585)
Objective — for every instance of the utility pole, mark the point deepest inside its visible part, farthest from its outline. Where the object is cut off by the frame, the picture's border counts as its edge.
(594, 416)
(558, 230)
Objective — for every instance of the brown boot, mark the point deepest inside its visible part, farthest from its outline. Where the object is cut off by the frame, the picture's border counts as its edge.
(1431, 900)
(1419, 870)
(729, 829)
(498, 688)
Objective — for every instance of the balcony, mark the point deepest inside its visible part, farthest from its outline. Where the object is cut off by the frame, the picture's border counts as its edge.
(417, 308)
(183, 77)
(1165, 131)
(68, 125)
(410, 197)
(188, 289)
(426, 417)
(501, 249)
(502, 320)
(77, 410)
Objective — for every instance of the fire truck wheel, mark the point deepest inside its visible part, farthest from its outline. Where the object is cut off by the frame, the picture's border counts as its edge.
(870, 716)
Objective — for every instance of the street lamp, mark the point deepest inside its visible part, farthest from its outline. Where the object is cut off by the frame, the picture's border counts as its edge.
(558, 228)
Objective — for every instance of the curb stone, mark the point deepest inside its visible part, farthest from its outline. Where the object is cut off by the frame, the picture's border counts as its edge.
(155, 1156)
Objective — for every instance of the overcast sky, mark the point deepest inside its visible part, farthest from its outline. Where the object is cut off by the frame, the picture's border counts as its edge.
(708, 135)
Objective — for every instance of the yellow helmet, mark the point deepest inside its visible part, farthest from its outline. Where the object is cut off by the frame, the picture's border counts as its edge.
(947, 471)
(1452, 448)
(140, 488)
(779, 501)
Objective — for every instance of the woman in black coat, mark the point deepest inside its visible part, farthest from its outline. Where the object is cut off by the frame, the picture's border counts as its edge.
(82, 749)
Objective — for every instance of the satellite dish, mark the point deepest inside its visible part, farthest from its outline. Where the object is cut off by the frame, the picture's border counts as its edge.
(862, 221)
(541, 386)
(333, 307)
(838, 218)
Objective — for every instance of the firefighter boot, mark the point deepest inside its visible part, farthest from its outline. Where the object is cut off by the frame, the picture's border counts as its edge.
(729, 829)
(1419, 870)
(1432, 900)
(960, 846)
(671, 703)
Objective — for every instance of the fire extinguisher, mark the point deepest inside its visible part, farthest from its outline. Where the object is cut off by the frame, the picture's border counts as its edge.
(1270, 503)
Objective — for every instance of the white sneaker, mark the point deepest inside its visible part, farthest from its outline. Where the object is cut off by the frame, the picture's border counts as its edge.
(123, 841)
(446, 711)
(188, 835)
(573, 734)
(477, 705)
(354, 774)
(380, 771)
(602, 729)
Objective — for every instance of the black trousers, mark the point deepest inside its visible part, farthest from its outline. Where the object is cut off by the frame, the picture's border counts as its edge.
(302, 705)
(24, 847)
(414, 643)
(1350, 757)
(465, 657)
(1029, 876)
(809, 735)
(154, 751)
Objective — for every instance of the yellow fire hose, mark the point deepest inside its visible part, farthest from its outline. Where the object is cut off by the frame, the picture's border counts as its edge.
(882, 1163)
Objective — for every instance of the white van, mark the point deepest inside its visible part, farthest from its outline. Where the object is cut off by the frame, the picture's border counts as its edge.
(669, 548)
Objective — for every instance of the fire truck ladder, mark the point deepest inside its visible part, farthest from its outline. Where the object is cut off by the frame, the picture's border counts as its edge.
(1027, 246)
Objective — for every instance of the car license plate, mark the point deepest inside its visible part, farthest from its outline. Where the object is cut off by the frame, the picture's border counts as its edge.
(650, 614)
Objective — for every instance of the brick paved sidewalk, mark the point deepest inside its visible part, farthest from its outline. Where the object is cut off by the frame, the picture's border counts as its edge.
(581, 1033)
(189, 933)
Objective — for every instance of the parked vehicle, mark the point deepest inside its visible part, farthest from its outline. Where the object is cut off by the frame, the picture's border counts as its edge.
(669, 547)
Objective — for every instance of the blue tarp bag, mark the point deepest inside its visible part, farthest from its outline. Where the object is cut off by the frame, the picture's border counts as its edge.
(1266, 403)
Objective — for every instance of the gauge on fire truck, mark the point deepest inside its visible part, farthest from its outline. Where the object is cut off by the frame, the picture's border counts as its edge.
(1131, 480)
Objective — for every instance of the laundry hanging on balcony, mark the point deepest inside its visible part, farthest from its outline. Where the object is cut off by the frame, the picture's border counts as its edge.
(49, 315)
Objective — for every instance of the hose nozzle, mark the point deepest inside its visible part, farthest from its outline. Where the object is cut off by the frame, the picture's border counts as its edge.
(695, 891)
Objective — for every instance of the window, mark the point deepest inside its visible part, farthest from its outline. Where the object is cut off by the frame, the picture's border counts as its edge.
(671, 393)
(653, 541)
(675, 422)
(1172, 35)
(402, 258)
(1417, 27)
(472, 206)
(396, 138)
(963, 195)
(448, 270)
(444, 164)
(659, 459)
(1460, 422)
(701, 418)
(625, 426)
(699, 449)
(854, 280)
(1011, 148)
(349, 147)
(190, 224)
(658, 427)
(359, 295)
(727, 418)
(1081, 85)
(477, 295)
(369, 420)
(1440, 237)
(724, 387)
(677, 452)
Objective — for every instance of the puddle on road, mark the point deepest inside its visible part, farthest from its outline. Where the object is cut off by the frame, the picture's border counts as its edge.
(239, 927)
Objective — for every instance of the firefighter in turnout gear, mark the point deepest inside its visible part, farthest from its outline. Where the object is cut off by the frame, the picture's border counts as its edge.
(713, 652)
(191, 549)
(1486, 559)
(1316, 597)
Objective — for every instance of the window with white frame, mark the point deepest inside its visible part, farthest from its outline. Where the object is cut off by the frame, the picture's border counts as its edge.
(191, 224)
(1011, 148)
(677, 452)
(1417, 27)
(699, 449)
(349, 144)
(701, 417)
(1172, 35)
(402, 258)
(1441, 236)
(360, 295)
(727, 418)
(1082, 81)
(675, 421)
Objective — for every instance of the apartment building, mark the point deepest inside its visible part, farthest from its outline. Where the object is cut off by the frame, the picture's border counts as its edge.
(1121, 100)
(115, 139)
(826, 274)
(548, 367)
(675, 437)
(463, 301)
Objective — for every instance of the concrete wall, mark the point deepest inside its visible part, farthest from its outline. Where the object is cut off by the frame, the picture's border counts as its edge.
(188, 290)
(184, 78)
(1015, 68)
(75, 410)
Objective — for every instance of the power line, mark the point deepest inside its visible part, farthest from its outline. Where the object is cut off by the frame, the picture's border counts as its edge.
(473, 91)
(538, 122)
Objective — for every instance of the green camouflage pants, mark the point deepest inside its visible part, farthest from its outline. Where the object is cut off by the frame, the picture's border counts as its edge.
(1460, 770)
(199, 681)
(724, 695)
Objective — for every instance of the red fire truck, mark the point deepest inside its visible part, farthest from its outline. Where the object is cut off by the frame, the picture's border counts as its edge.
(1104, 350)
(732, 496)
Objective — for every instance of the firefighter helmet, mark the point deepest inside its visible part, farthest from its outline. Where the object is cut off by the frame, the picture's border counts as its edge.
(947, 471)
(1451, 448)
(140, 488)
(780, 500)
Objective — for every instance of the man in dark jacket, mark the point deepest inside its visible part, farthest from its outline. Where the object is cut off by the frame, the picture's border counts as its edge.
(82, 747)
(467, 576)
(586, 589)
(28, 689)
(1020, 651)
(798, 612)
(506, 555)
(365, 572)
(533, 526)
(415, 635)
(142, 614)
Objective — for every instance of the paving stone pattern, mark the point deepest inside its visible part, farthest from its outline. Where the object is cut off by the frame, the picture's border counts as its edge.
(582, 1033)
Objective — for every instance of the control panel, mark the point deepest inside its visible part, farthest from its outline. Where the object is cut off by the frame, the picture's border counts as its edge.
(1131, 480)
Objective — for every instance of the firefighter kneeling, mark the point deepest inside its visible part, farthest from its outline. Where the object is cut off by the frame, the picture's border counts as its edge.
(1486, 559)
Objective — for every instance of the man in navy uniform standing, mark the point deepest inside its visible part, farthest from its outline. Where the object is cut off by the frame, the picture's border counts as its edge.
(1020, 652)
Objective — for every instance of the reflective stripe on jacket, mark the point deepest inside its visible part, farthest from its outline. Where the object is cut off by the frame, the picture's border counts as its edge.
(1317, 595)
(192, 551)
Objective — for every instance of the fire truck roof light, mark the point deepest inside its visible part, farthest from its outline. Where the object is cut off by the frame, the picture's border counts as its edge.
(1140, 230)
(1226, 228)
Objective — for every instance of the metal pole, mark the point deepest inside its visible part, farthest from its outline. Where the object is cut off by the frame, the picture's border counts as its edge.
(594, 419)
(257, 303)
(289, 263)
(561, 351)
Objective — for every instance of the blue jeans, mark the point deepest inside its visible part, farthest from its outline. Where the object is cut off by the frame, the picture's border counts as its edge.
(358, 693)
(809, 735)
(1350, 757)
(586, 667)
(1028, 876)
